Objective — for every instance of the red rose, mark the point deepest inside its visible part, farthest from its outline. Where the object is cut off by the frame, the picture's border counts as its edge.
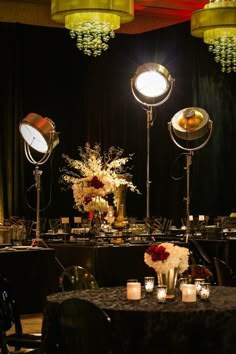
(158, 253)
(95, 183)
(88, 199)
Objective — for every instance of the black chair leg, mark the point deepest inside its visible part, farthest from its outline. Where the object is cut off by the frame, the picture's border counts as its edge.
(3, 344)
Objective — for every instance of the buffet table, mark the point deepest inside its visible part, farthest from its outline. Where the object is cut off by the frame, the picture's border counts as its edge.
(145, 326)
(113, 264)
(30, 271)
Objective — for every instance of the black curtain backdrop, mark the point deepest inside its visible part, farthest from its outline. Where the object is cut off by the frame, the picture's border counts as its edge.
(90, 100)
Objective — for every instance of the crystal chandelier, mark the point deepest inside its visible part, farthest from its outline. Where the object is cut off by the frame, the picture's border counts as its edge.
(92, 23)
(216, 24)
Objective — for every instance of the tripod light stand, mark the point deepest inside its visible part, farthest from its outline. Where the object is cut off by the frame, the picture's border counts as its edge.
(190, 124)
(39, 134)
(151, 86)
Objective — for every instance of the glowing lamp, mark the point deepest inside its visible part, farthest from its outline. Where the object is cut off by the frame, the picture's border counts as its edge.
(151, 86)
(191, 123)
(190, 129)
(39, 134)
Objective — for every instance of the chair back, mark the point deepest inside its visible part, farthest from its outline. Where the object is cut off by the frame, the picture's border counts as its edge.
(77, 278)
(224, 274)
(84, 328)
(7, 305)
(198, 253)
(198, 271)
(9, 317)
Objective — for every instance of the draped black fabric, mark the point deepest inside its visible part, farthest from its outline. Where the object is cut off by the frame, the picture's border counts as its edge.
(145, 326)
(90, 100)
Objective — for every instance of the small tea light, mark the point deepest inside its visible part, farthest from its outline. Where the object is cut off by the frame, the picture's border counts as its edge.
(161, 293)
(133, 290)
(182, 281)
(198, 283)
(189, 293)
(205, 291)
(149, 284)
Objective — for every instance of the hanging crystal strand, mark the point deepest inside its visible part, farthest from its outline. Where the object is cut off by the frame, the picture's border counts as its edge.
(92, 37)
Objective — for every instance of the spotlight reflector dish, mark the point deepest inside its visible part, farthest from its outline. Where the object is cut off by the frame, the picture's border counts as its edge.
(39, 132)
(191, 123)
(151, 84)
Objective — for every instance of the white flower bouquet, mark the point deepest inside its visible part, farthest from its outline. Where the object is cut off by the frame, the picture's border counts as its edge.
(166, 256)
(95, 176)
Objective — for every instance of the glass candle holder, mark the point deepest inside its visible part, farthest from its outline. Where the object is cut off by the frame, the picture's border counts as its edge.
(161, 293)
(205, 291)
(149, 283)
(189, 293)
(198, 283)
(182, 281)
(133, 290)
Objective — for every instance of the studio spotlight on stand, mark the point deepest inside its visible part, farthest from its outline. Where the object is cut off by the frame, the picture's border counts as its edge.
(190, 129)
(151, 86)
(39, 134)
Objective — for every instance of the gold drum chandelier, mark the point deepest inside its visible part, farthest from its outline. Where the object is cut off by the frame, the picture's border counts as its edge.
(92, 22)
(216, 24)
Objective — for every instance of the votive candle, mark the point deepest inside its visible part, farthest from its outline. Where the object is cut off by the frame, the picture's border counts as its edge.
(133, 290)
(198, 283)
(161, 293)
(182, 281)
(189, 293)
(205, 291)
(149, 284)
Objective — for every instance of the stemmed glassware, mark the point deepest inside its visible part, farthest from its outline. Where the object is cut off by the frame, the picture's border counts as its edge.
(110, 218)
(54, 225)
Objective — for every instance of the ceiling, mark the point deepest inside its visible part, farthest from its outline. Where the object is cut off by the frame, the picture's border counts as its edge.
(149, 14)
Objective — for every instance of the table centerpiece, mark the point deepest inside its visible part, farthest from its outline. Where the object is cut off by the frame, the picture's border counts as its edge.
(168, 260)
(95, 177)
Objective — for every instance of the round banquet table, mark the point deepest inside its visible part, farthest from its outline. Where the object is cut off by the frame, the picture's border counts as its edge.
(146, 327)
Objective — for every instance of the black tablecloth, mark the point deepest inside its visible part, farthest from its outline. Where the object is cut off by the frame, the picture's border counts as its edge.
(147, 327)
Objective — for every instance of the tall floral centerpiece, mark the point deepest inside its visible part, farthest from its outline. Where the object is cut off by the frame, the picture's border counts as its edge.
(168, 260)
(96, 176)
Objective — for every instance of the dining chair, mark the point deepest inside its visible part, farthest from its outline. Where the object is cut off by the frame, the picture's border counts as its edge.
(199, 256)
(10, 318)
(77, 278)
(224, 273)
(83, 328)
(198, 271)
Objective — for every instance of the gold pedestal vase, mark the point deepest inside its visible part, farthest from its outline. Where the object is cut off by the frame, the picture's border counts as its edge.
(169, 279)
